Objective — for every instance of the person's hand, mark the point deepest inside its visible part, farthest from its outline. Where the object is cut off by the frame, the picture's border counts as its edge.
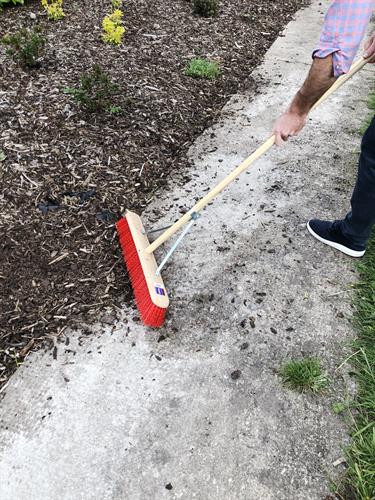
(288, 125)
(369, 53)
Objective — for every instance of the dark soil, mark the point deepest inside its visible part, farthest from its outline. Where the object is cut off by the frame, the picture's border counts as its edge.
(69, 174)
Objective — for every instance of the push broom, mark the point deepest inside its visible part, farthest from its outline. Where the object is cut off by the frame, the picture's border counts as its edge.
(149, 290)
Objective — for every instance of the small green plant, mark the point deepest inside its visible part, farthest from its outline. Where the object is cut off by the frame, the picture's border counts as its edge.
(2, 155)
(113, 29)
(339, 407)
(95, 91)
(26, 46)
(54, 9)
(115, 110)
(203, 68)
(304, 375)
(206, 8)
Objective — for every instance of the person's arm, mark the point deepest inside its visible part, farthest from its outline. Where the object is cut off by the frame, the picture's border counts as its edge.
(344, 27)
(370, 49)
(319, 80)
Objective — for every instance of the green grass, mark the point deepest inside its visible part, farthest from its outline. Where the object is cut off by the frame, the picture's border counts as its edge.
(203, 68)
(360, 481)
(304, 375)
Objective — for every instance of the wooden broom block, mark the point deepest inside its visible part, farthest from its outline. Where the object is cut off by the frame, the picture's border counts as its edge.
(155, 283)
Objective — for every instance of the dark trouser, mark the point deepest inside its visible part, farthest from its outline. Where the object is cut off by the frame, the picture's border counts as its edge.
(359, 221)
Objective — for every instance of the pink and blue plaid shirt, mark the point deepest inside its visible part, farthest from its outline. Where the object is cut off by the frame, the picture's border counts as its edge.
(344, 27)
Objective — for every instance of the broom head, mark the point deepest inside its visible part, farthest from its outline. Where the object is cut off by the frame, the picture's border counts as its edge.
(149, 290)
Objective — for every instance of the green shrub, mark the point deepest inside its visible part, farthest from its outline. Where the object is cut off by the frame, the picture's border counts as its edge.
(113, 29)
(26, 46)
(206, 8)
(202, 68)
(14, 2)
(95, 92)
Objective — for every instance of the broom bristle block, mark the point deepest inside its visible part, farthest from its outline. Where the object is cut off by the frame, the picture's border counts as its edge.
(149, 290)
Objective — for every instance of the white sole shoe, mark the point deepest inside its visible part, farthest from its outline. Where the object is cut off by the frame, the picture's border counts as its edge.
(337, 246)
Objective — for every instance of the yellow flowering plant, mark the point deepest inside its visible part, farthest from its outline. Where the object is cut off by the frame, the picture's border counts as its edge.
(54, 9)
(113, 29)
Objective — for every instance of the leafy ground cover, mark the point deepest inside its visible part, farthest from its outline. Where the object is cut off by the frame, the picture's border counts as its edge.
(202, 68)
(66, 174)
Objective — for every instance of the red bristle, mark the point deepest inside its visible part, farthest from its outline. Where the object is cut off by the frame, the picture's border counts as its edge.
(151, 314)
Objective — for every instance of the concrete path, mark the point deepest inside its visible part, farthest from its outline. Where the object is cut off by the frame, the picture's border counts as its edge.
(196, 410)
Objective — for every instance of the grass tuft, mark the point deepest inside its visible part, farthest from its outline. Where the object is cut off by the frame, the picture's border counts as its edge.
(304, 375)
(203, 68)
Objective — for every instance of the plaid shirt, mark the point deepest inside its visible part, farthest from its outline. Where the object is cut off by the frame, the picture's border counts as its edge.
(344, 27)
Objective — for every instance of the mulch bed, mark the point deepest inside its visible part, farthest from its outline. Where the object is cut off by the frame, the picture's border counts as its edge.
(68, 174)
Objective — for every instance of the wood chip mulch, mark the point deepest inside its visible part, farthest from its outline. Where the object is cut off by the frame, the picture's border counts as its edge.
(69, 174)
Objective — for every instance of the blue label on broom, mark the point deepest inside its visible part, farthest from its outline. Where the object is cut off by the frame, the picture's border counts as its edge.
(159, 290)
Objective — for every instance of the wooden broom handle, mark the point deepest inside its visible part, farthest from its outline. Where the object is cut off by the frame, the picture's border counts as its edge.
(244, 165)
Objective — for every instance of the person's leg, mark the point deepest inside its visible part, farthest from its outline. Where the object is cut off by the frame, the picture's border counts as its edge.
(350, 235)
(357, 225)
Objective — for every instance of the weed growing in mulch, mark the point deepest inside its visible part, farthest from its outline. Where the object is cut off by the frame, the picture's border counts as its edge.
(203, 68)
(304, 375)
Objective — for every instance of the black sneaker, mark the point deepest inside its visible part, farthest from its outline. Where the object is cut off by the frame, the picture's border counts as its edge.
(329, 233)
